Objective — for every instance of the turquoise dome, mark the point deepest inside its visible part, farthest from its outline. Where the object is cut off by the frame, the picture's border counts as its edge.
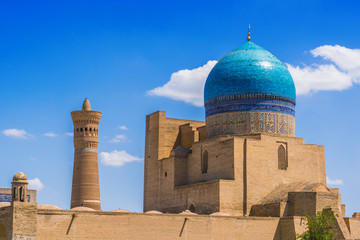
(249, 69)
(249, 91)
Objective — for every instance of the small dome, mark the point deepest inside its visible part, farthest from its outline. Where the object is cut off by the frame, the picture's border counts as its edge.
(82, 209)
(187, 212)
(4, 204)
(19, 177)
(219, 214)
(153, 212)
(249, 69)
(48, 207)
(86, 105)
(120, 210)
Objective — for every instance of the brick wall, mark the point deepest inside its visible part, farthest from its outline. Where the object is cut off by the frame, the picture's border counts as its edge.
(107, 225)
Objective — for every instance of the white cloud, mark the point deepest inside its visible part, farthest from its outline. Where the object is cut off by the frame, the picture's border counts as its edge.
(340, 72)
(123, 127)
(70, 134)
(16, 133)
(186, 85)
(35, 184)
(50, 134)
(337, 182)
(117, 158)
(118, 138)
(310, 79)
(345, 58)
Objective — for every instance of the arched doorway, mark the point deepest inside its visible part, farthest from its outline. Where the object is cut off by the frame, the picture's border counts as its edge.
(2, 231)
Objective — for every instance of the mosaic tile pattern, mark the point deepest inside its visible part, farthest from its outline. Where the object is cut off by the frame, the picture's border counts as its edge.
(250, 122)
(249, 69)
(5, 195)
(252, 103)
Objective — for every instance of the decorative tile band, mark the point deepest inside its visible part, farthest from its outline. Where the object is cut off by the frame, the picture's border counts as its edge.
(250, 122)
(253, 96)
(7, 197)
(250, 104)
(85, 149)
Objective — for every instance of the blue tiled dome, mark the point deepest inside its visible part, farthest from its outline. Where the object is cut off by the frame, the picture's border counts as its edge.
(249, 69)
(249, 91)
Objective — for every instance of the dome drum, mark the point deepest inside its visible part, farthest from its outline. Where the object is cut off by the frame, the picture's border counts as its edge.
(246, 122)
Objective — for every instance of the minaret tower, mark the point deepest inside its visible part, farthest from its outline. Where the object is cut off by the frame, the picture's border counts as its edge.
(85, 185)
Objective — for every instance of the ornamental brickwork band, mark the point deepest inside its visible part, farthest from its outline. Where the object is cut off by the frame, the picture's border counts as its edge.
(250, 122)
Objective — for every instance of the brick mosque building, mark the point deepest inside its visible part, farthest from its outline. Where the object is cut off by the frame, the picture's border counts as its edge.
(241, 174)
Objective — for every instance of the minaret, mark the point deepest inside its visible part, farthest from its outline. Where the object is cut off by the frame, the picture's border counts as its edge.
(85, 185)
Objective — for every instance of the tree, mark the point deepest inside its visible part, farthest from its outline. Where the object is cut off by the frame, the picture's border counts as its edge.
(319, 227)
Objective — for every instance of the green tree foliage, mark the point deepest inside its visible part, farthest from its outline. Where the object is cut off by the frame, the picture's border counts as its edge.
(319, 227)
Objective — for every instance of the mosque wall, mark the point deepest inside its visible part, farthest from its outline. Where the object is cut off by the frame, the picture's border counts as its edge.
(2, 231)
(354, 225)
(161, 137)
(24, 220)
(220, 160)
(250, 163)
(5, 222)
(304, 163)
(29, 222)
(19, 220)
(110, 225)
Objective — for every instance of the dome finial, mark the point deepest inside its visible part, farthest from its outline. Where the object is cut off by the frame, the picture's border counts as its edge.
(249, 38)
(86, 105)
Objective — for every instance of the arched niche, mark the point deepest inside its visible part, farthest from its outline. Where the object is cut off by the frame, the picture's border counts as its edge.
(282, 158)
(204, 161)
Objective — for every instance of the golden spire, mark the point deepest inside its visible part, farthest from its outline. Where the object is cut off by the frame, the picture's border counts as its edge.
(248, 38)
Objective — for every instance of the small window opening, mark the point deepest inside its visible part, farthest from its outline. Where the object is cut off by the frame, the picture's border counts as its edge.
(282, 158)
(77, 129)
(204, 162)
(81, 129)
(90, 129)
(165, 174)
(15, 193)
(85, 129)
(22, 197)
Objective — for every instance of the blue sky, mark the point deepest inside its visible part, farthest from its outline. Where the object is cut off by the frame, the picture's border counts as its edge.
(56, 53)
